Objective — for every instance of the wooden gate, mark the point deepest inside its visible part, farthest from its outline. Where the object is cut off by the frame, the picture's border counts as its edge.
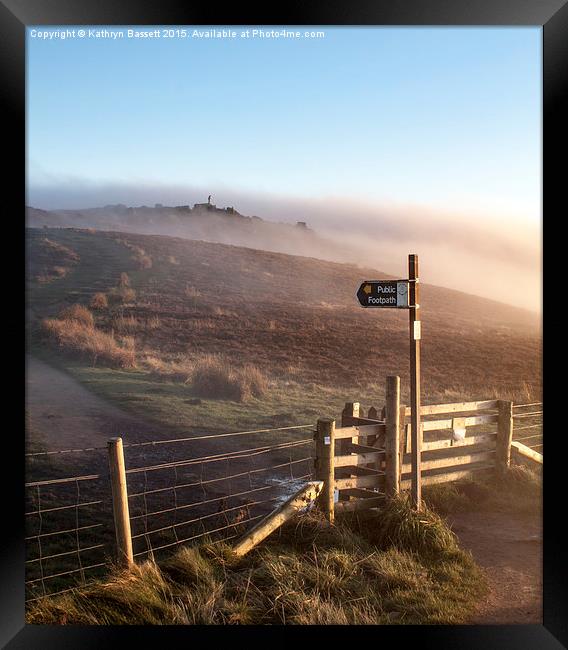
(368, 458)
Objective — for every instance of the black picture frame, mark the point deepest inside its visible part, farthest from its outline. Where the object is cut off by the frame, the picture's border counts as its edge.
(552, 15)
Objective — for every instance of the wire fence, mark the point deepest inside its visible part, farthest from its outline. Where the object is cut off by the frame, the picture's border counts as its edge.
(527, 425)
(68, 531)
(215, 495)
(180, 491)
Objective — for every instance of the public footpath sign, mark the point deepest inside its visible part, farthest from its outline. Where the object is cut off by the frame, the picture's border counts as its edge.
(405, 294)
(384, 293)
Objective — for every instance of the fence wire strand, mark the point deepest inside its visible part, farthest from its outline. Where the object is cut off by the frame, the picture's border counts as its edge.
(60, 512)
(529, 421)
(222, 489)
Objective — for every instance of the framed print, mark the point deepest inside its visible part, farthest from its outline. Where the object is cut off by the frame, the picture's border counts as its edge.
(284, 298)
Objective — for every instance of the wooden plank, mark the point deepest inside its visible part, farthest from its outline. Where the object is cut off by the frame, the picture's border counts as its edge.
(277, 517)
(435, 425)
(451, 461)
(358, 431)
(482, 439)
(360, 481)
(457, 407)
(448, 476)
(360, 493)
(358, 421)
(485, 442)
(526, 452)
(358, 470)
(438, 425)
(357, 459)
(366, 449)
(360, 504)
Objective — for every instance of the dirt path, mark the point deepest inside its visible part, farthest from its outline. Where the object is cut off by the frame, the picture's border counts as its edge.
(62, 414)
(508, 547)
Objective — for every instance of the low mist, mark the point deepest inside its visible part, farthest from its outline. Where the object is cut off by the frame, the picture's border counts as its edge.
(495, 258)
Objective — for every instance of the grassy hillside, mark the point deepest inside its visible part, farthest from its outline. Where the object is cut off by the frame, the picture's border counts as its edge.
(178, 306)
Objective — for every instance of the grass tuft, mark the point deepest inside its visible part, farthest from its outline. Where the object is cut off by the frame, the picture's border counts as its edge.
(519, 489)
(77, 314)
(99, 301)
(406, 529)
(84, 340)
(307, 573)
(215, 378)
(122, 295)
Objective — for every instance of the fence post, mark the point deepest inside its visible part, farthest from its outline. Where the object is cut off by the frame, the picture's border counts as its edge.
(325, 451)
(392, 437)
(120, 502)
(401, 441)
(504, 435)
(351, 410)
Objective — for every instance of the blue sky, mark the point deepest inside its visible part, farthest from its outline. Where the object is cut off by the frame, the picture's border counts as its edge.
(437, 117)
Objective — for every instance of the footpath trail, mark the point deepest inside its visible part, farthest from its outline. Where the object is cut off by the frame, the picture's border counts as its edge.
(62, 414)
(508, 548)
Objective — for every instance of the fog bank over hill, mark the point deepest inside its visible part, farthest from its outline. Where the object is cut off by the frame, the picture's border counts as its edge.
(498, 258)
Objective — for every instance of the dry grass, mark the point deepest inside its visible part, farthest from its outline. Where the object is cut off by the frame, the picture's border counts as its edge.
(52, 261)
(518, 490)
(153, 323)
(402, 527)
(139, 255)
(124, 280)
(524, 393)
(75, 333)
(127, 324)
(99, 301)
(192, 293)
(123, 292)
(60, 271)
(215, 378)
(307, 573)
(179, 370)
(79, 314)
(142, 259)
(122, 295)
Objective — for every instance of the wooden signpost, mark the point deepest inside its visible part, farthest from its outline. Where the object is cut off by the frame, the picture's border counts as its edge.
(404, 294)
(415, 326)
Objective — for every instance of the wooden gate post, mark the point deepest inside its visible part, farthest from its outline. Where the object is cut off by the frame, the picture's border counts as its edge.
(392, 437)
(120, 502)
(325, 451)
(402, 440)
(351, 411)
(504, 435)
